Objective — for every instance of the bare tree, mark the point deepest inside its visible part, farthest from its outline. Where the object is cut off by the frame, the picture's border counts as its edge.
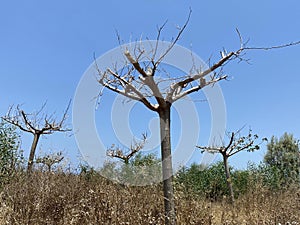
(37, 124)
(125, 156)
(138, 81)
(236, 144)
(49, 160)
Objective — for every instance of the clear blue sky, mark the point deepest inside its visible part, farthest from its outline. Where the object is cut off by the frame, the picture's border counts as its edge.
(45, 47)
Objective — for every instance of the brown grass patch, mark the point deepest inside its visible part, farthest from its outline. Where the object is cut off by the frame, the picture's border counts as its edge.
(64, 199)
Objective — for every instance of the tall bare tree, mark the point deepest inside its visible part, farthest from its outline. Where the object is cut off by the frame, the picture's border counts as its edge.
(236, 144)
(138, 81)
(37, 123)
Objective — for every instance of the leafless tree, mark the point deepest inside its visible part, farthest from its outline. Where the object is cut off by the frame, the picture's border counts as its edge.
(236, 144)
(138, 81)
(37, 123)
(125, 156)
(49, 160)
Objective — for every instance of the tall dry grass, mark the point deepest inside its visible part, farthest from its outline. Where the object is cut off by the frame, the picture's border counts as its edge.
(61, 198)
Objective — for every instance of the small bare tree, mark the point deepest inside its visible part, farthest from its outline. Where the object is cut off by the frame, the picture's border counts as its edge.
(236, 144)
(124, 155)
(138, 81)
(37, 124)
(49, 160)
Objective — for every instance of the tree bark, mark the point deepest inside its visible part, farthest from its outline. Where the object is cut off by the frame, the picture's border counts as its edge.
(228, 178)
(32, 151)
(165, 135)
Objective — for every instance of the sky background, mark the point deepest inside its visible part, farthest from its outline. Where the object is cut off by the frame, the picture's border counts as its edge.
(46, 46)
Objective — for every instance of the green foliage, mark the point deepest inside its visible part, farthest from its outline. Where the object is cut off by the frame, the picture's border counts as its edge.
(242, 180)
(144, 160)
(109, 170)
(265, 176)
(283, 159)
(87, 172)
(209, 182)
(10, 156)
(141, 170)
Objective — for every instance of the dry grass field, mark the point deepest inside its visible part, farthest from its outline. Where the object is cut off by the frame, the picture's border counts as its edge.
(66, 199)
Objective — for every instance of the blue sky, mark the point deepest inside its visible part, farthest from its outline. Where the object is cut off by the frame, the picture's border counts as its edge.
(47, 45)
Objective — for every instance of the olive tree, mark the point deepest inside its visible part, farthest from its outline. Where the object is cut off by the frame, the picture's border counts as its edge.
(141, 80)
(49, 160)
(37, 124)
(125, 155)
(136, 168)
(236, 144)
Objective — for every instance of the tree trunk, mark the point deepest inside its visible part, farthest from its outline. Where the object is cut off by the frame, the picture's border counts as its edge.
(32, 151)
(165, 136)
(228, 178)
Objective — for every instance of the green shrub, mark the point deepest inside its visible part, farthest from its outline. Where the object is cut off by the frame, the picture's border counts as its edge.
(11, 157)
(209, 182)
(283, 160)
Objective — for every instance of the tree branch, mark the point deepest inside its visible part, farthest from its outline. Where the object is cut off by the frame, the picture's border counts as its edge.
(272, 47)
(235, 145)
(196, 88)
(175, 40)
(230, 142)
(147, 79)
(231, 153)
(192, 78)
(138, 97)
(118, 153)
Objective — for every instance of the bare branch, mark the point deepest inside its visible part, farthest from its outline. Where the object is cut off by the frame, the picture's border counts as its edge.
(116, 152)
(126, 85)
(225, 58)
(230, 142)
(135, 63)
(146, 79)
(28, 124)
(273, 47)
(240, 37)
(65, 115)
(192, 78)
(209, 149)
(175, 40)
(159, 30)
(196, 88)
(14, 119)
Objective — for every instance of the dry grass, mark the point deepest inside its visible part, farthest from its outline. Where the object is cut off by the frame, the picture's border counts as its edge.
(48, 198)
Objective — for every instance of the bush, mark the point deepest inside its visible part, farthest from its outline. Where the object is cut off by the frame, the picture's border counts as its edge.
(141, 170)
(11, 157)
(283, 160)
(209, 182)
